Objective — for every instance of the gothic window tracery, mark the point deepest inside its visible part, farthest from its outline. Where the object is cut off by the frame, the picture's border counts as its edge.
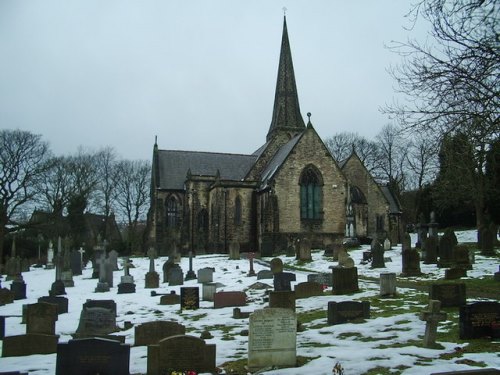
(237, 211)
(172, 212)
(310, 194)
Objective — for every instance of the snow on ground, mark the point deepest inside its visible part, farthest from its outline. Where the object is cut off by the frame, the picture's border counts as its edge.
(343, 343)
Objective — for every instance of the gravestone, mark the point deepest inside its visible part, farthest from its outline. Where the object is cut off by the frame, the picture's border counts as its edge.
(410, 263)
(272, 339)
(208, 291)
(98, 318)
(127, 284)
(345, 280)
(167, 266)
(285, 300)
(282, 281)
(50, 257)
(322, 278)
(406, 242)
(152, 278)
(432, 316)
(308, 289)
(109, 272)
(377, 254)
(251, 271)
(190, 298)
(2, 327)
(479, 319)
(170, 299)
(238, 314)
(6, 296)
(447, 243)
(29, 344)
(488, 237)
(175, 275)
(430, 250)
(18, 288)
(496, 275)
(461, 257)
(75, 263)
(151, 333)
(190, 275)
(41, 318)
(345, 260)
(229, 299)
(92, 356)
(205, 275)
(276, 265)
(304, 250)
(264, 274)
(234, 250)
(113, 260)
(60, 302)
(343, 312)
(455, 273)
(450, 295)
(181, 353)
(387, 284)
(102, 285)
(387, 244)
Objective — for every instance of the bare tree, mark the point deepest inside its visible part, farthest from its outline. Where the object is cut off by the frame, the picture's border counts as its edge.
(453, 85)
(132, 184)
(341, 145)
(23, 163)
(422, 159)
(106, 170)
(55, 188)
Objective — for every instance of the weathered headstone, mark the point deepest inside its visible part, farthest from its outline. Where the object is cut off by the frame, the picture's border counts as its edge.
(175, 275)
(410, 263)
(447, 243)
(308, 289)
(102, 285)
(75, 263)
(430, 250)
(234, 250)
(455, 273)
(488, 237)
(304, 250)
(41, 318)
(322, 278)
(97, 318)
(238, 314)
(60, 302)
(377, 254)
(264, 274)
(406, 242)
(450, 295)
(461, 257)
(387, 284)
(113, 259)
(6, 296)
(29, 344)
(208, 290)
(109, 272)
(229, 299)
(251, 271)
(127, 284)
(152, 278)
(272, 339)
(285, 300)
(205, 275)
(167, 266)
(345, 280)
(170, 299)
(190, 298)
(432, 316)
(190, 275)
(282, 281)
(387, 244)
(151, 333)
(92, 356)
(343, 312)
(181, 353)
(50, 257)
(479, 319)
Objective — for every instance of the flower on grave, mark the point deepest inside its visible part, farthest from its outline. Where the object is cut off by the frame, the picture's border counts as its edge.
(324, 286)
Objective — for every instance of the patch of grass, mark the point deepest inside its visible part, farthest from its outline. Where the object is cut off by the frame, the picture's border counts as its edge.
(346, 335)
(309, 316)
(315, 345)
(221, 327)
(379, 370)
(400, 344)
(236, 367)
(194, 317)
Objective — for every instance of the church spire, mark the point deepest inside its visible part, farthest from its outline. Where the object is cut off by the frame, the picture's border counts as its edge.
(286, 111)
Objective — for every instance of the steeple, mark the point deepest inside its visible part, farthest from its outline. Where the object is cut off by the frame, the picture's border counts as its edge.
(286, 111)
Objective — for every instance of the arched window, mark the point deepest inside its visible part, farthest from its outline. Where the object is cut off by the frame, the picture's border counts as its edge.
(310, 194)
(237, 211)
(172, 212)
(203, 220)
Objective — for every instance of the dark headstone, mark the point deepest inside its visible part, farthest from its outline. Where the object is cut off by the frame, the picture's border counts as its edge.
(152, 280)
(76, 263)
(151, 333)
(6, 296)
(229, 299)
(447, 243)
(23, 345)
(342, 312)
(377, 254)
(124, 288)
(430, 250)
(406, 242)
(169, 263)
(238, 314)
(322, 278)
(345, 280)
(308, 289)
(2, 327)
(182, 353)
(479, 319)
(60, 302)
(455, 273)
(282, 281)
(450, 295)
(488, 237)
(41, 318)
(462, 259)
(93, 356)
(170, 299)
(57, 288)
(482, 371)
(190, 298)
(175, 276)
(410, 263)
(95, 321)
(18, 287)
(285, 299)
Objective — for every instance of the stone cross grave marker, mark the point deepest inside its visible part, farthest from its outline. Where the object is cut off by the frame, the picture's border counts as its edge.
(432, 316)
(251, 257)
(190, 275)
(102, 285)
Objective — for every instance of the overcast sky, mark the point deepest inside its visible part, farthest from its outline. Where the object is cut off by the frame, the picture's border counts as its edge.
(200, 75)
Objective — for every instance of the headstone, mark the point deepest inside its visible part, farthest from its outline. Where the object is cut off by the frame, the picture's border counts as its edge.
(322, 278)
(152, 280)
(75, 263)
(282, 281)
(229, 299)
(50, 257)
(190, 275)
(2, 327)
(234, 250)
(92, 356)
(18, 288)
(6, 296)
(455, 273)
(377, 254)
(450, 295)
(387, 284)
(60, 302)
(151, 333)
(432, 316)
(308, 289)
(96, 320)
(102, 285)
(433, 226)
(170, 299)
(479, 320)
(276, 265)
(29, 344)
(488, 237)
(482, 371)
(345, 280)
(190, 298)
(113, 259)
(410, 263)
(461, 257)
(41, 318)
(496, 275)
(387, 244)
(109, 272)
(205, 275)
(167, 266)
(264, 274)
(251, 271)
(183, 353)
(238, 314)
(127, 284)
(447, 243)
(343, 312)
(406, 242)
(175, 276)
(304, 250)
(345, 260)
(285, 300)
(208, 291)
(272, 339)
(430, 250)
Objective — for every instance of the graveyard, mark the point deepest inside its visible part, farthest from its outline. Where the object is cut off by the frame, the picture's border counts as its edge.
(375, 310)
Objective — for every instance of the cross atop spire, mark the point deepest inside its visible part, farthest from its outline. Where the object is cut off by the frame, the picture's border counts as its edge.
(286, 111)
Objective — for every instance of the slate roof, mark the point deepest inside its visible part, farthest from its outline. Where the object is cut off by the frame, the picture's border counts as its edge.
(394, 206)
(173, 166)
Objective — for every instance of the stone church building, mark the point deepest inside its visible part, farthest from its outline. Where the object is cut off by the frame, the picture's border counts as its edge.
(288, 190)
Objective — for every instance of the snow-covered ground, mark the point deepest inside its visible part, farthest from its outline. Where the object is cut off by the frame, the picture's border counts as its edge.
(343, 343)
